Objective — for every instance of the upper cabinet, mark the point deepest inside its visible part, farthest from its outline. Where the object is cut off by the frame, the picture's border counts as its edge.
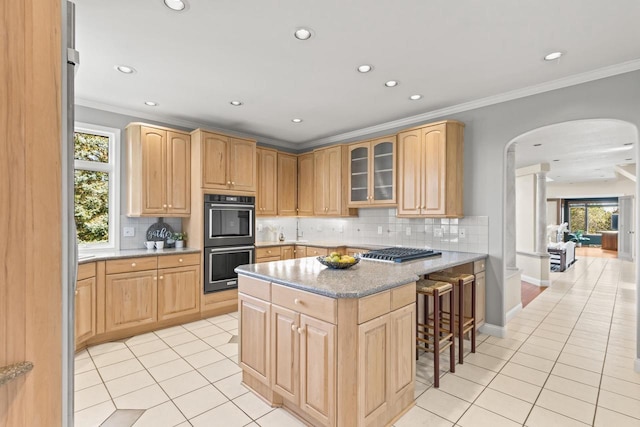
(372, 172)
(430, 170)
(287, 184)
(227, 164)
(305, 184)
(267, 193)
(158, 171)
(330, 181)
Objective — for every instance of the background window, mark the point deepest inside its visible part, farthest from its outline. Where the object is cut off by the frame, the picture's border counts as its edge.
(96, 186)
(592, 216)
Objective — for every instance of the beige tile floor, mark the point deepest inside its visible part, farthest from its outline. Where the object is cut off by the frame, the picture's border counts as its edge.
(567, 360)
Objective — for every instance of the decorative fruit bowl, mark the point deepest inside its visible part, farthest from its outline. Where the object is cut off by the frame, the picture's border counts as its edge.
(338, 265)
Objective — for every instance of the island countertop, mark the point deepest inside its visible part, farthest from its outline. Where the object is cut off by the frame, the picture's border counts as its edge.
(365, 278)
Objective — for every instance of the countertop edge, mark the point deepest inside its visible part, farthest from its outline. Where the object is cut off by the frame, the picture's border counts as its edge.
(136, 253)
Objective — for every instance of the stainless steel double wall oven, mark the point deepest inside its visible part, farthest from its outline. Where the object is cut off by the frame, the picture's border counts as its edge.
(229, 239)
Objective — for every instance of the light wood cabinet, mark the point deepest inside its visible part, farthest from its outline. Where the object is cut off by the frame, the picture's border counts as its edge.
(374, 373)
(286, 252)
(284, 352)
(178, 291)
(255, 355)
(225, 163)
(305, 184)
(317, 251)
(430, 170)
(267, 192)
(372, 172)
(85, 303)
(287, 184)
(131, 299)
(300, 251)
(158, 171)
(330, 182)
(271, 253)
(476, 268)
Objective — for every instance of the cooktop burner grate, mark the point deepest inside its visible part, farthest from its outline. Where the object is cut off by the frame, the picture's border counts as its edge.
(399, 254)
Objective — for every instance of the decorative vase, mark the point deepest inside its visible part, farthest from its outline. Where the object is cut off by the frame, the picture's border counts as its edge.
(179, 244)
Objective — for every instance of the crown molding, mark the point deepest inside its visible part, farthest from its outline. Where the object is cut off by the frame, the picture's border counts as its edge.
(573, 80)
(170, 120)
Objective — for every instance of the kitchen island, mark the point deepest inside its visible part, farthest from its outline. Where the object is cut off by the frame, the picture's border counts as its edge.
(335, 347)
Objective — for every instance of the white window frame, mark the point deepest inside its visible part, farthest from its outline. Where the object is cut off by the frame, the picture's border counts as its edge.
(113, 169)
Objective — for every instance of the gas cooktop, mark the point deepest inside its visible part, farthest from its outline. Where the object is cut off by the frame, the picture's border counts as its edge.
(399, 254)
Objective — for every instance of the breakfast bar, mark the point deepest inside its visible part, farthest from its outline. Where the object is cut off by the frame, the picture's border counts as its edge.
(335, 347)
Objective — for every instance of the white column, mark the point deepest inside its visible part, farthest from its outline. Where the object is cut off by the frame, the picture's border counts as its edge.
(510, 209)
(541, 212)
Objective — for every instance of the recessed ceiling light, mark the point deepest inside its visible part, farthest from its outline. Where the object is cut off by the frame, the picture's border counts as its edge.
(303, 34)
(296, 120)
(628, 159)
(552, 56)
(236, 103)
(151, 103)
(415, 97)
(365, 68)
(125, 69)
(176, 5)
(629, 143)
(391, 83)
(537, 145)
(556, 160)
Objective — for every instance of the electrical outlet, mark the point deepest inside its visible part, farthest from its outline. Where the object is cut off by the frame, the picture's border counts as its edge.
(128, 231)
(259, 227)
(462, 232)
(408, 231)
(379, 230)
(437, 232)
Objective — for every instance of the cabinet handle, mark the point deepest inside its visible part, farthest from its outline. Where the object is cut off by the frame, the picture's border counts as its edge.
(296, 301)
(161, 277)
(268, 252)
(170, 206)
(300, 331)
(155, 278)
(133, 264)
(424, 207)
(76, 292)
(180, 260)
(293, 327)
(164, 206)
(228, 182)
(233, 183)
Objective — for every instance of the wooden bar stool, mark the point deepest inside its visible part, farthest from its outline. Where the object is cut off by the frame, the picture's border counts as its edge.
(430, 335)
(462, 324)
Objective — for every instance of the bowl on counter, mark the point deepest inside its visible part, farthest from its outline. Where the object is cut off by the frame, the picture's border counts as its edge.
(337, 265)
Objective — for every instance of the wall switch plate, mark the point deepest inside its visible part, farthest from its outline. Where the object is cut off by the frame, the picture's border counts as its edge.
(437, 232)
(259, 227)
(128, 231)
(379, 230)
(462, 232)
(408, 231)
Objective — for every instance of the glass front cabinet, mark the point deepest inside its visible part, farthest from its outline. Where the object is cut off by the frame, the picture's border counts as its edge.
(372, 172)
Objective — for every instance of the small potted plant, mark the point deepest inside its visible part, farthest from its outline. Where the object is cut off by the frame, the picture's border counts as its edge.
(180, 239)
(578, 237)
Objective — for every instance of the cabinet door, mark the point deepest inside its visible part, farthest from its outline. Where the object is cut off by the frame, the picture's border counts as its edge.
(300, 251)
(254, 325)
(85, 319)
(153, 170)
(318, 369)
(409, 173)
(306, 186)
(383, 171)
(319, 183)
(287, 184)
(131, 300)
(373, 370)
(286, 252)
(333, 181)
(267, 161)
(178, 174)
(214, 161)
(359, 182)
(434, 171)
(285, 352)
(178, 292)
(481, 289)
(403, 345)
(242, 165)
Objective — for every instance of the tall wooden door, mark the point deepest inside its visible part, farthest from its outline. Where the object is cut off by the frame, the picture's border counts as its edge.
(318, 369)
(178, 291)
(214, 149)
(267, 164)
(285, 352)
(287, 184)
(306, 184)
(242, 165)
(131, 299)
(434, 170)
(255, 353)
(154, 170)
(409, 173)
(178, 173)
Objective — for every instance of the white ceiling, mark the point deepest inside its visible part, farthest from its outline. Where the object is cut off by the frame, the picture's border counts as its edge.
(579, 151)
(193, 63)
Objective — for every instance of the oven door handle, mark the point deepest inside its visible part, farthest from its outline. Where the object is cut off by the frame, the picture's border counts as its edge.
(247, 207)
(231, 250)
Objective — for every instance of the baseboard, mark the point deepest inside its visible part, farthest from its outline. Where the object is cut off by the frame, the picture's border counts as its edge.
(636, 365)
(494, 330)
(535, 281)
(513, 312)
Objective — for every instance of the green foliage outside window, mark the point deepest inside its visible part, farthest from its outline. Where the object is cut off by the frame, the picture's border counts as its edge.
(91, 189)
(592, 217)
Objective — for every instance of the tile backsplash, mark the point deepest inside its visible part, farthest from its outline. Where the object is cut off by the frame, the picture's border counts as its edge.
(140, 226)
(382, 227)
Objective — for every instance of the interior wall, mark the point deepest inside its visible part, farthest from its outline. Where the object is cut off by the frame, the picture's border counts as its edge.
(609, 188)
(552, 211)
(525, 213)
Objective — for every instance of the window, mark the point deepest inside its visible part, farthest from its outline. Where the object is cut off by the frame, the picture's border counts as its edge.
(592, 216)
(97, 190)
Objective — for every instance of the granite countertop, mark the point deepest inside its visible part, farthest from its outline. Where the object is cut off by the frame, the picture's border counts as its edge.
(132, 253)
(319, 244)
(365, 278)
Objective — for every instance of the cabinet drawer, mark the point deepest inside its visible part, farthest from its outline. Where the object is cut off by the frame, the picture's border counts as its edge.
(254, 287)
(127, 265)
(479, 266)
(403, 295)
(86, 270)
(268, 252)
(318, 306)
(169, 261)
(315, 251)
(267, 259)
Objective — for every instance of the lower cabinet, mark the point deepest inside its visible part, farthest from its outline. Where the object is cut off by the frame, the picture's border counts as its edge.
(131, 299)
(254, 355)
(178, 292)
(85, 303)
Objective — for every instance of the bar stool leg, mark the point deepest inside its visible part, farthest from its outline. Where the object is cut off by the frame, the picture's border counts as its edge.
(436, 341)
(417, 327)
(461, 321)
(473, 315)
(426, 315)
(452, 347)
